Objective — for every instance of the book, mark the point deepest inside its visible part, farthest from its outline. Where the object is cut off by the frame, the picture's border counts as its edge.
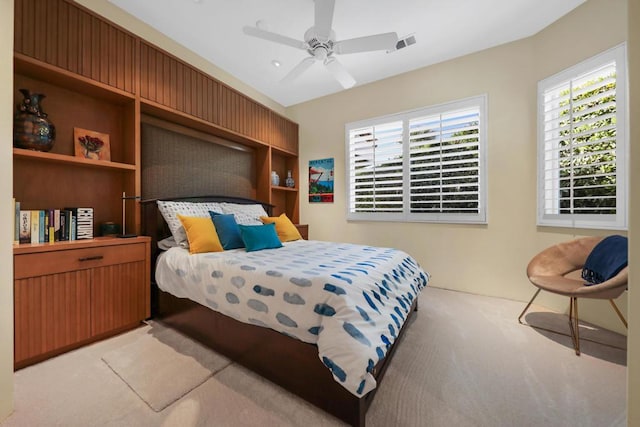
(83, 223)
(35, 226)
(52, 230)
(74, 227)
(56, 225)
(42, 227)
(16, 221)
(68, 223)
(62, 232)
(25, 227)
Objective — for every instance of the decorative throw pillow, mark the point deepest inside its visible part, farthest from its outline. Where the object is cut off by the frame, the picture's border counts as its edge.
(287, 232)
(258, 237)
(244, 214)
(227, 229)
(167, 243)
(201, 234)
(171, 209)
(606, 260)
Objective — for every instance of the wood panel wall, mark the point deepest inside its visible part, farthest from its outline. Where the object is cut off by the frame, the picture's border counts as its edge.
(62, 34)
(283, 133)
(168, 81)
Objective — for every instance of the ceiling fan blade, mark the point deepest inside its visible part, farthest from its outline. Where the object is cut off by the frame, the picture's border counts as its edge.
(385, 41)
(339, 72)
(323, 18)
(298, 69)
(278, 38)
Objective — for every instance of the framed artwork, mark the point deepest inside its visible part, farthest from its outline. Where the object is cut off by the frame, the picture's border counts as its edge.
(91, 144)
(321, 181)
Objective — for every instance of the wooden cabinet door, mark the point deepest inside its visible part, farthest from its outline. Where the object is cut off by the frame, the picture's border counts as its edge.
(119, 296)
(51, 312)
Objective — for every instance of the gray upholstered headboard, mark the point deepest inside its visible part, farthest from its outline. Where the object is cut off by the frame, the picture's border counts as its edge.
(181, 162)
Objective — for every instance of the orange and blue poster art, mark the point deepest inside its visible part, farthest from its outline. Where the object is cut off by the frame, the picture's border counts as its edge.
(321, 181)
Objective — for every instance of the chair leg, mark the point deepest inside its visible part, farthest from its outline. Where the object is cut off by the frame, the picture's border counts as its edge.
(573, 324)
(528, 305)
(615, 308)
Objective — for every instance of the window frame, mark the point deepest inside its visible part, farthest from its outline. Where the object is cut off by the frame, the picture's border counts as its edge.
(481, 217)
(619, 220)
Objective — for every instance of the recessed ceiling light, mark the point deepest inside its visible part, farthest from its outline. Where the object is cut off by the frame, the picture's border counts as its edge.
(276, 63)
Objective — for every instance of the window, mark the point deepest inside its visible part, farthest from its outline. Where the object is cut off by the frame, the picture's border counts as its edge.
(582, 144)
(422, 165)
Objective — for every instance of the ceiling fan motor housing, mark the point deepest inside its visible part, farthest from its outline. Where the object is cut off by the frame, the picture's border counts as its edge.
(318, 47)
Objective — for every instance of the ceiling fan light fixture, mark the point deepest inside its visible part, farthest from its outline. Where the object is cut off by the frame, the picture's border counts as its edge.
(321, 44)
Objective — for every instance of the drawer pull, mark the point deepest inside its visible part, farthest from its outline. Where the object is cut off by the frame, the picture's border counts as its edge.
(91, 258)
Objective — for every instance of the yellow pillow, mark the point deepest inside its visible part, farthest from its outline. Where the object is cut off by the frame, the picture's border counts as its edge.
(201, 234)
(284, 227)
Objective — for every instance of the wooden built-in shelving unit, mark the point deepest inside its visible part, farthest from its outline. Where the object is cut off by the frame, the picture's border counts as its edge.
(100, 77)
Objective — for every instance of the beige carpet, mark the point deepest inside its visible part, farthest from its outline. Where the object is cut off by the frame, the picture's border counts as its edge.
(465, 361)
(161, 367)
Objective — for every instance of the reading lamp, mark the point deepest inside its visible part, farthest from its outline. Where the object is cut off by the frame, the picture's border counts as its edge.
(124, 215)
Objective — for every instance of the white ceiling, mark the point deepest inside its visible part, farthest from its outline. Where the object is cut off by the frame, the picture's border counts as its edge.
(444, 29)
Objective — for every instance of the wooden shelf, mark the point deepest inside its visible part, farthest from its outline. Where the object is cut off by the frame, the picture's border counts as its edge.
(280, 188)
(62, 158)
(160, 111)
(42, 71)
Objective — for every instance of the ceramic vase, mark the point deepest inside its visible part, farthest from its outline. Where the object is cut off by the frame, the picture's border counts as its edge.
(275, 179)
(31, 127)
(289, 182)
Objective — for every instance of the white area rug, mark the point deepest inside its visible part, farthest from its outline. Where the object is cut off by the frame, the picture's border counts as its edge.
(163, 365)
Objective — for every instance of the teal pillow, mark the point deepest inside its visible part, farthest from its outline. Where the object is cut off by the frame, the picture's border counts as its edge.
(227, 229)
(258, 237)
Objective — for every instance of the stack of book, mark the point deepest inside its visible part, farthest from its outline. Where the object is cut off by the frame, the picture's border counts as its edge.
(52, 225)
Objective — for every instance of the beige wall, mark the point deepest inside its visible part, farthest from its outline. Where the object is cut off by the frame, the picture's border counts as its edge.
(633, 353)
(484, 259)
(6, 193)
(128, 22)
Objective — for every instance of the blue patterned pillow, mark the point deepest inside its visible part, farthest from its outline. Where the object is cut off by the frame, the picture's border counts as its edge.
(227, 229)
(258, 237)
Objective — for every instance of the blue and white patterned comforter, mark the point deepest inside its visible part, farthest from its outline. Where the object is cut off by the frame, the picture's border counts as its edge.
(349, 300)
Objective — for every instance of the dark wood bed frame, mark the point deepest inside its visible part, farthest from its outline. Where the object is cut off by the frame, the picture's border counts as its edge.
(288, 362)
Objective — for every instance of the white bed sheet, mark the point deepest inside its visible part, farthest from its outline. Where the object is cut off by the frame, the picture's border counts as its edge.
(349, 300)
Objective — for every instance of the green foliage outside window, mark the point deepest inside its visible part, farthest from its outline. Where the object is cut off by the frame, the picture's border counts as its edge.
(587, 154)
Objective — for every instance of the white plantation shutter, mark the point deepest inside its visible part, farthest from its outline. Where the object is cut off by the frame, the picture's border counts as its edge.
(424, 165)
(376, 163)
(582, 146)
(445, 164)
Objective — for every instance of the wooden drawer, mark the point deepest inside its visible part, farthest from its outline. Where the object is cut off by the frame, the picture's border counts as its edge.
(43, 263)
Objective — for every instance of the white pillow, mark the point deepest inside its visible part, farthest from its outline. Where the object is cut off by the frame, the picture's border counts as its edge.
(170, 211)
(244, 214)
(167, 243)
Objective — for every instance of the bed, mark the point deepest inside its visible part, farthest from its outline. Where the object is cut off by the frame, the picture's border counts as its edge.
(307, 355)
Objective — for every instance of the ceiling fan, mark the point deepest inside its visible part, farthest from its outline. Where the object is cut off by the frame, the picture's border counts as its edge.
(320, 42)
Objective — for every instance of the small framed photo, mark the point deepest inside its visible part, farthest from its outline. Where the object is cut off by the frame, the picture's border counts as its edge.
(91, 144)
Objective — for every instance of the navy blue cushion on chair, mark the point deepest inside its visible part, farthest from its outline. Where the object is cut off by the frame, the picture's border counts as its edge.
(606, 260)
